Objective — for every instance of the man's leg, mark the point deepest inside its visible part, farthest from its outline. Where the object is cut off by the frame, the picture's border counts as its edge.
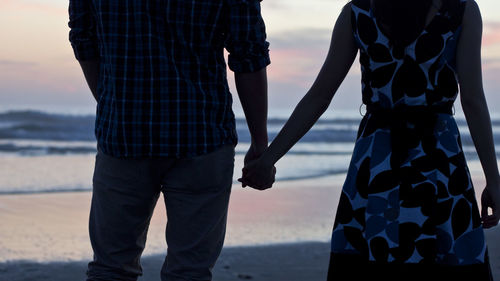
(196, 192)
(124, 195)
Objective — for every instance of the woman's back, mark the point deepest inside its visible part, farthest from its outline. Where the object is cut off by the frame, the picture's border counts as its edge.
(420, 73)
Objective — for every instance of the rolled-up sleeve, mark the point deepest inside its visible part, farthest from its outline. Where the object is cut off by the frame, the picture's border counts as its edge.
(246, 37)
(82, 34)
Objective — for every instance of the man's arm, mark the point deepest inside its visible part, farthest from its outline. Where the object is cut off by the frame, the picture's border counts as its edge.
(83, 39)
(248, 58)
(90, 69)
(252, 91)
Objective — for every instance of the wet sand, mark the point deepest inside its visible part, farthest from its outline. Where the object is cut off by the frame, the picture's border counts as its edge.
(53, 227)
(290, 262)
(44, 236)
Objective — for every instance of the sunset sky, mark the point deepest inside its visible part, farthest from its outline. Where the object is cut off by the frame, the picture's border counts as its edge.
(37, 68)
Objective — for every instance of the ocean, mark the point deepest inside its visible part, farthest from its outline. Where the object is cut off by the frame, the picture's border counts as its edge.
(54, 152)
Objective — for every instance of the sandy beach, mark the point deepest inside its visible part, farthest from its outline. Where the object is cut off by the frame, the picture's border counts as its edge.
(281, 234)
(289, 262)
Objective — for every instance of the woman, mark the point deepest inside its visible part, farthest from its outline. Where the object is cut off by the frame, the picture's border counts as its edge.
(408, 209)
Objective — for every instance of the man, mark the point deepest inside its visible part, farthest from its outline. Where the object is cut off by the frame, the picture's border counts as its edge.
(164, 123)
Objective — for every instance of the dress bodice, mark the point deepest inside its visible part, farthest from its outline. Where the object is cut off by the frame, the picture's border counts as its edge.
(422, 73)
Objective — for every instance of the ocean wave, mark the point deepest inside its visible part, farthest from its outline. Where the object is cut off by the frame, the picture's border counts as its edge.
(33, 125)
(30, 150)
(33, 150)
(43, 126)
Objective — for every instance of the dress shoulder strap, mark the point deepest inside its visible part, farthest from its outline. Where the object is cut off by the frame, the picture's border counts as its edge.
(450, 16)
(362, 4)
(456, 10)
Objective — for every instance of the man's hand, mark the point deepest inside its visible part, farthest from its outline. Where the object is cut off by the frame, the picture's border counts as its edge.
(253, 153)
(258, 174)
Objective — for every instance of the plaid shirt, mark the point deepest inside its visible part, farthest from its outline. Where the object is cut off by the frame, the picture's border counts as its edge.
(163, 88)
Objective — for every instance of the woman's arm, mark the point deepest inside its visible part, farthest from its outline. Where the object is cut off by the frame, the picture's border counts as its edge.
(476, 109)
(343, 50)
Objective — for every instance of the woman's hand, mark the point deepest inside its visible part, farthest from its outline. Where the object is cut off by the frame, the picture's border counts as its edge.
(258, 174)
(490, 199)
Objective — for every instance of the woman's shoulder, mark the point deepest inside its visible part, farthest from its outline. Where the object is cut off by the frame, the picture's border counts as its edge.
(459, 11)
(471, 8)
(471, 13)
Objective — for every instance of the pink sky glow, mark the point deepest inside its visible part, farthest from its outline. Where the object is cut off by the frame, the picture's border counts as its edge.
(37, 65)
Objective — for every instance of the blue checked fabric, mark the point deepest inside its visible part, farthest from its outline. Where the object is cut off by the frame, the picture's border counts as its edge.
(163, 88)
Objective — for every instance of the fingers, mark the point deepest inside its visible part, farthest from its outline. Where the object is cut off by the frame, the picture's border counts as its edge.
(243, 182)
(256, 182)
(258, 186)
(490, 221)
(484, 210)
(261, 188)
(257, 176)
(244, 175)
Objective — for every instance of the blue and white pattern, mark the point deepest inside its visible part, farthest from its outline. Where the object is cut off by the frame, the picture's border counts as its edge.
(408, 197)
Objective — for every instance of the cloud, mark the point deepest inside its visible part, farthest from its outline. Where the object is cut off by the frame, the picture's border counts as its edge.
(491, 33)
(15, 63)
(53, 78)
(491, 64)
(298, 55)
(22, 6)
(305, 37)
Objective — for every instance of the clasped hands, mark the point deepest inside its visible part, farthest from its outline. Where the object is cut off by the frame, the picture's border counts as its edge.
(257, 173)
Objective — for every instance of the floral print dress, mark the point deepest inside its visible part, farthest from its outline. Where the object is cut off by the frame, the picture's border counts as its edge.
(408, 209)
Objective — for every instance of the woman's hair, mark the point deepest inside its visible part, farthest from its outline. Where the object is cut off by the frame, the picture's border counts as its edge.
(402, 20)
